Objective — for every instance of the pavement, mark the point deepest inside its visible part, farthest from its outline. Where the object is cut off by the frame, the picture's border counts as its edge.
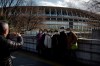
(24, 58)
(30, 59)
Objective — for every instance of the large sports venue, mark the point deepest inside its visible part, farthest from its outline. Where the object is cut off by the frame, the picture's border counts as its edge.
(56, 17)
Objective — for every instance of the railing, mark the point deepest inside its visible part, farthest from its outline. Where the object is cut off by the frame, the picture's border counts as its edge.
(88, 49)
(30, 43)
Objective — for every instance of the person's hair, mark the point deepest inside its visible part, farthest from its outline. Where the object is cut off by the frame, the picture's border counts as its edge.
(2, 26)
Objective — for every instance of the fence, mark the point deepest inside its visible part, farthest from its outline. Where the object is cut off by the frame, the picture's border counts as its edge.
(88, 49)
(30, 43)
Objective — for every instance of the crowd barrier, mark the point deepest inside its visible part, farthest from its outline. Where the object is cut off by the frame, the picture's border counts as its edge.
(88, 49)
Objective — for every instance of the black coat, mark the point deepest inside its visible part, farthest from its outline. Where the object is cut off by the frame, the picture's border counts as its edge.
(55, 41)
(5, 49)
(63, 41)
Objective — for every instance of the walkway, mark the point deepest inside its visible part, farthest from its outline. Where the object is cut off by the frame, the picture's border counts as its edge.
(23, 58)
(29, 59)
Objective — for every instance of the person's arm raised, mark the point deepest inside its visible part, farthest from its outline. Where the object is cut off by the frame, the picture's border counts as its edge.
(15, 45)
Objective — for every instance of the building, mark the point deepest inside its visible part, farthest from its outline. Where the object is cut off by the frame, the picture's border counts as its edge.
(56, 17)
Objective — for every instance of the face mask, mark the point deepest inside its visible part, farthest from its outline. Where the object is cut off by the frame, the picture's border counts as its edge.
(56, 32)
(45, 32)
(40, 31)
(61, 30)
(49, 33)
(67, 31)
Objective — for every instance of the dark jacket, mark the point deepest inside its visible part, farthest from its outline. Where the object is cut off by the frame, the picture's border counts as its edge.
(72, 39)
(55, 41)
(5, 49)
(63, 41)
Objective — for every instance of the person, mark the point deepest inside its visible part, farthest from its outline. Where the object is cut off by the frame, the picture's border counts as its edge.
(6, 45)
(71, 40)
(62, 44)
(39, 37)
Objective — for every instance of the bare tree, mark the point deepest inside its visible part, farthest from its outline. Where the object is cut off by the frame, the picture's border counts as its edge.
(29, 20)
(12, 11)
(8, 10)
(94, 8)
(5, 7)
(94, 5)
(35, 17)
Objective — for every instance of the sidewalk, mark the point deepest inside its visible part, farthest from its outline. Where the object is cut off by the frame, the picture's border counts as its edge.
(23, 58)
(29, 59)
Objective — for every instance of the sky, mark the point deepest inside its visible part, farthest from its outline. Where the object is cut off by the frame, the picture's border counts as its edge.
(81, 4)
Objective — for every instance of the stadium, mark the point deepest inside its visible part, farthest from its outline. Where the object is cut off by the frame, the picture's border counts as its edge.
(56, 17)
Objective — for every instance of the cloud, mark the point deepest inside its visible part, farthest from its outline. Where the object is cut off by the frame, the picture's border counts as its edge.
(48, 3)
(76, 0)
(45, 3)
(63, 3)
(80, 4)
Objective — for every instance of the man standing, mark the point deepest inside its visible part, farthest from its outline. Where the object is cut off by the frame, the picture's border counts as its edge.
(6, 45)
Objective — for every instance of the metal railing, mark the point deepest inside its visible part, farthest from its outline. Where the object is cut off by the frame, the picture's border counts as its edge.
(88, 49)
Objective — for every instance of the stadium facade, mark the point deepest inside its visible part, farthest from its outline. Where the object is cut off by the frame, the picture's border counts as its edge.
(56, 17)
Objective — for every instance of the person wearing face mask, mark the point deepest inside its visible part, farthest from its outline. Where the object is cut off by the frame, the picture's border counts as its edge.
(71, 38)
(39, 37)
(71, 42)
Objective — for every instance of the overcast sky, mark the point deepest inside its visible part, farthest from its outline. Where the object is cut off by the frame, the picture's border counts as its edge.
(63, 3)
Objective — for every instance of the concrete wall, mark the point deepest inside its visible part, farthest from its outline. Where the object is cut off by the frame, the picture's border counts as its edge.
(96, 34)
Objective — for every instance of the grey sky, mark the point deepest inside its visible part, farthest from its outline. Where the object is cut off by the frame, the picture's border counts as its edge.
(63, 3)
(79, 4)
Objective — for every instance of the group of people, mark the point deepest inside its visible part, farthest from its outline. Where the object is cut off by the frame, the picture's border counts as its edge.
(57, 43)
